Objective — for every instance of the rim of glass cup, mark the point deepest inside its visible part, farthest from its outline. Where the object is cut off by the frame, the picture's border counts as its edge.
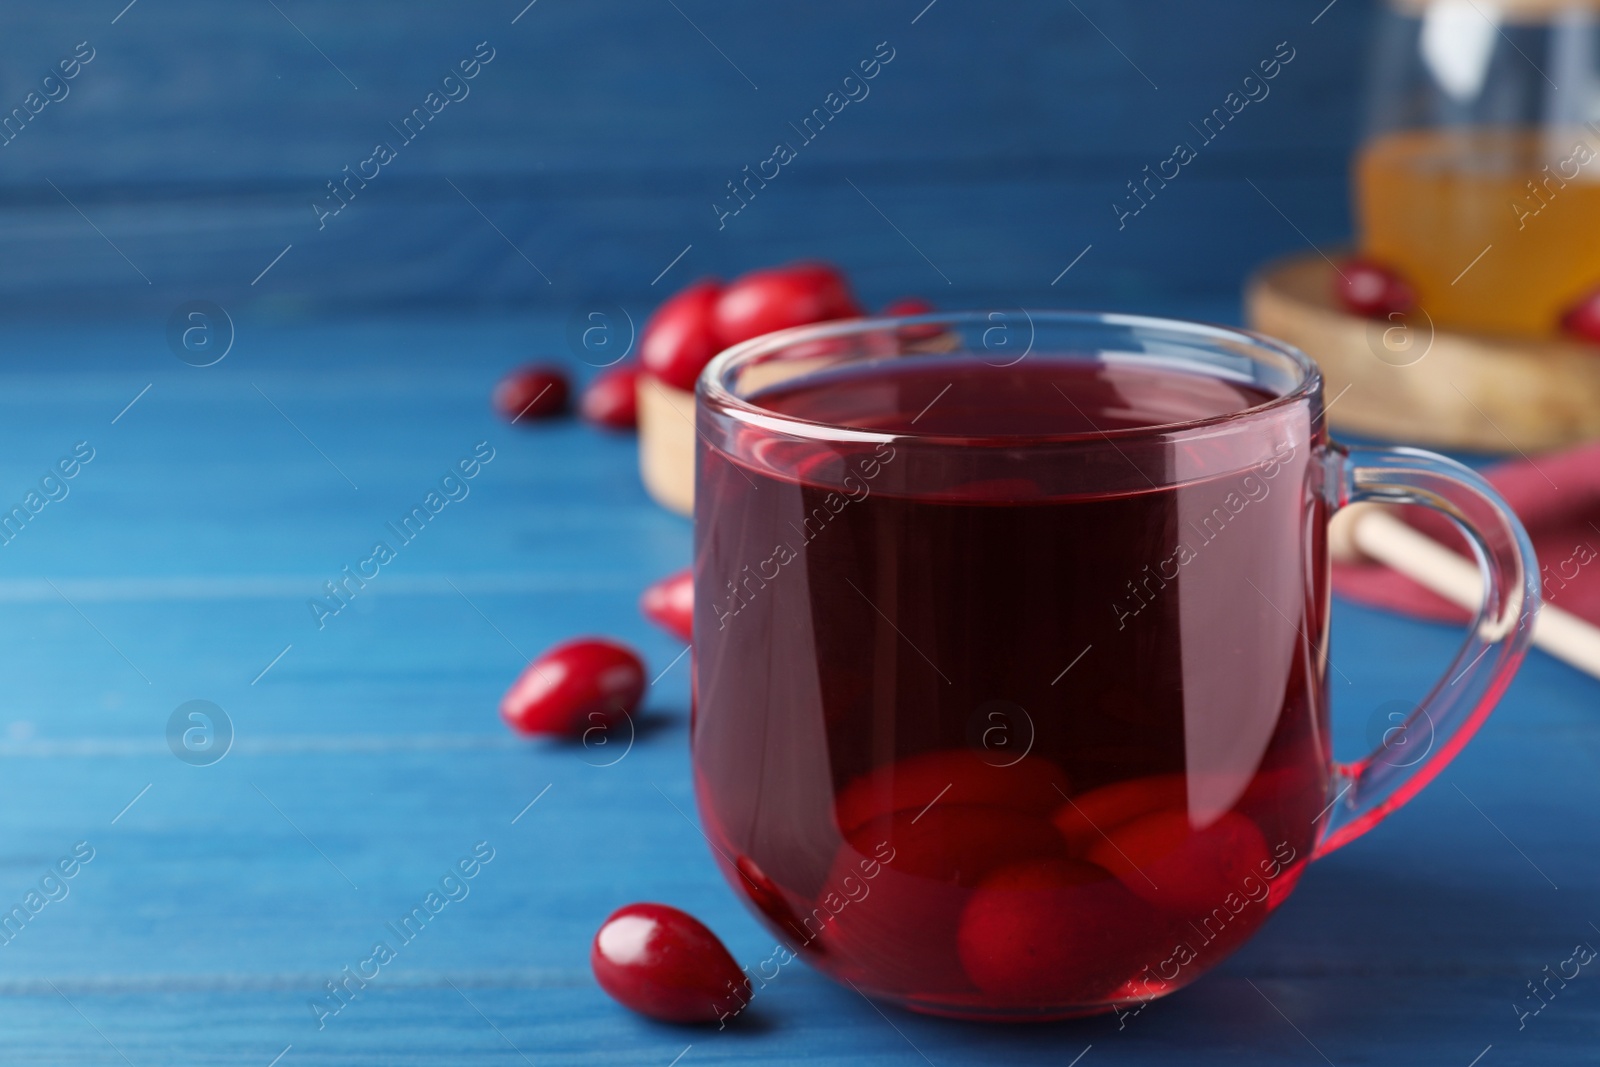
(713, 384)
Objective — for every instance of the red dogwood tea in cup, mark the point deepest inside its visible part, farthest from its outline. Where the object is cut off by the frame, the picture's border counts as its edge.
(1010, 662)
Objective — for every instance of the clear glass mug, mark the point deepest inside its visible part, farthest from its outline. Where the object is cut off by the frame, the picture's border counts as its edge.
(1011, 648)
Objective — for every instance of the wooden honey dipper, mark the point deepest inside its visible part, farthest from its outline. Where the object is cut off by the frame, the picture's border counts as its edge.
(1370, 532)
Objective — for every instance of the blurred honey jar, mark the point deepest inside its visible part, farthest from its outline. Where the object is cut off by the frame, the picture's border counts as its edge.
(1479, 182)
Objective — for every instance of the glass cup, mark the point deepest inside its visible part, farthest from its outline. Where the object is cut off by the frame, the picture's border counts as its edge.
(1011, 648)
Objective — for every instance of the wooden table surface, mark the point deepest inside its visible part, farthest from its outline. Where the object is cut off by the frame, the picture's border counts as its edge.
(368, 757)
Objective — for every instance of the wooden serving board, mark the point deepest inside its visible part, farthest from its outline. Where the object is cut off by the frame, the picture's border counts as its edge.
(1410, 381)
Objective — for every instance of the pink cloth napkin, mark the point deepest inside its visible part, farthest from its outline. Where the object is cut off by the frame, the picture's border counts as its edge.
(1558, 499)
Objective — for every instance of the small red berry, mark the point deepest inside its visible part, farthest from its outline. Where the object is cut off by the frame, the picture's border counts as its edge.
(680, 339)
(769, 899)
(533, 392)
(779, 297)
(960, 843)
(1050, 930)
(664, 963)
(1583, 320)
(903, 929)
(953, 777)
(1084, 819)
(906, 308)
(1165, 859)
(669, 603)
(612, 399)
(590, 681)
(1370, 289)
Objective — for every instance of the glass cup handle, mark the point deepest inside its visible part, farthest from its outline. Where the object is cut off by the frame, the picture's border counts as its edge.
(1365, 791)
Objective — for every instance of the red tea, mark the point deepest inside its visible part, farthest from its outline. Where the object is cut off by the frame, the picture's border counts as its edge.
(1001, 725)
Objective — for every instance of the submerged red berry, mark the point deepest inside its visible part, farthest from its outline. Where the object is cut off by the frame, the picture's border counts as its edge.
(1084, 819)
(1371, 289)
(669, 603)
(575, 685)
(1164, 858)
(899, 882)
(533, 392)
(664, 963)
(953, 777)
(612, 399)
(1042, 931)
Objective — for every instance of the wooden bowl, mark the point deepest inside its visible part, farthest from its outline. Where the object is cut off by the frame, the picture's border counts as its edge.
(1408, 381)
(667, 430)
(666, 444)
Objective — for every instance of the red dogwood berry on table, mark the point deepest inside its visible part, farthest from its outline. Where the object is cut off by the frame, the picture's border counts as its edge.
(1583, 320)
(612, 399)
(575, 686)
(1373, 290)
(664, 963)
(780, 297)
(680, 338)
(538, 391)
(669, 603)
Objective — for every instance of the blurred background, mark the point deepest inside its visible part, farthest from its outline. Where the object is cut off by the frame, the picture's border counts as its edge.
(985, 157)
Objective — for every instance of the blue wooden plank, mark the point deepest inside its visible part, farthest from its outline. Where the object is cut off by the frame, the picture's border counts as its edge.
(199, 135)
(258, 103)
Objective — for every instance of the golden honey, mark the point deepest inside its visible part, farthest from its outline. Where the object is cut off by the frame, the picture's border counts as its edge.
(1497, 228)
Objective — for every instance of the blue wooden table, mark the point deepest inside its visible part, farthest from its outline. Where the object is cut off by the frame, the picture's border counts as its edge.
(368, 759)
(157, 907)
